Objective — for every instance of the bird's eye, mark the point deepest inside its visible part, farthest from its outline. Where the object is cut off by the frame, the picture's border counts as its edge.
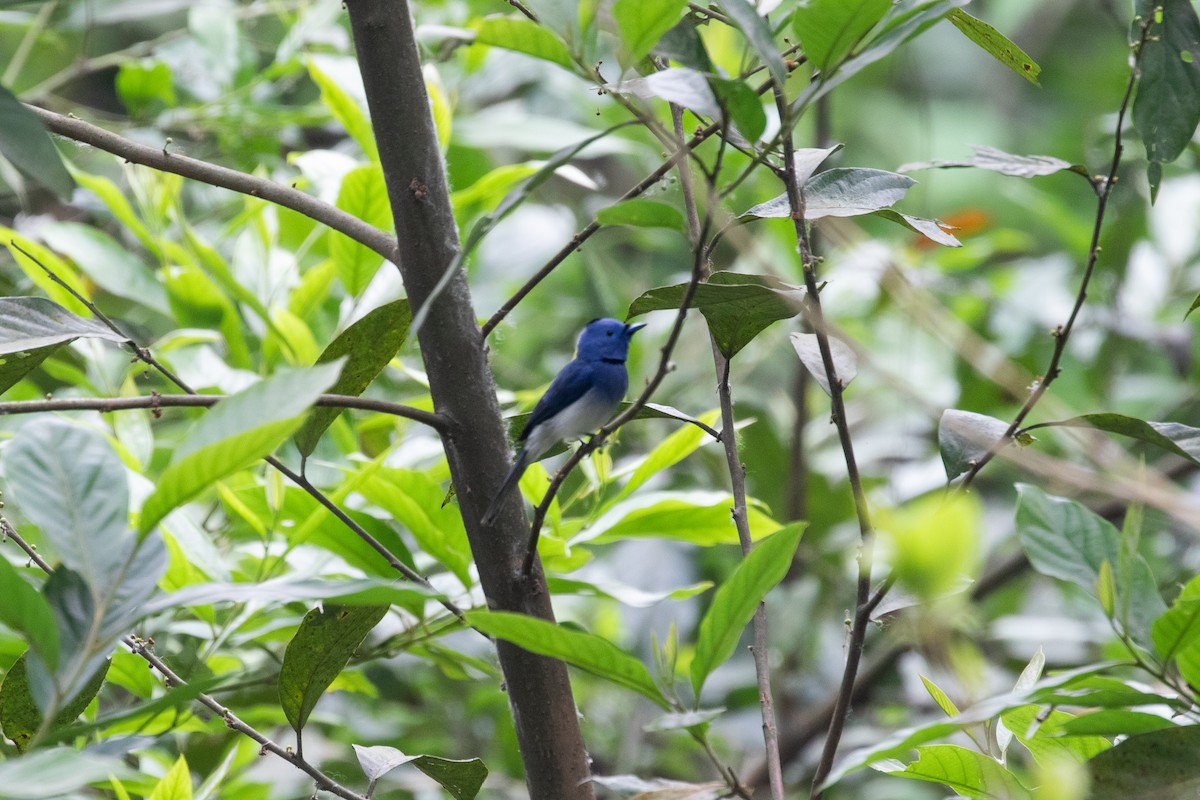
(609, 333)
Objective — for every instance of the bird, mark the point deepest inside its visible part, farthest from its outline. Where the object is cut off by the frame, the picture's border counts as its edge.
(581, 398)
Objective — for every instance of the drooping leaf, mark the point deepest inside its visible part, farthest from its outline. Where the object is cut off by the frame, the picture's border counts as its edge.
(462, 778)
(965, 437)
(643, 23)
(1167, 108)
(363, 194)
(995, 160)
(679, 85)
(20, 715)
(523, 36)
(345, 109)
(321, 648)
(996, 44)
(67, 480)
(931, 229)
(736, 599)
(368, 346)
(584, 650)
(839, 192)
(235, 433)
(1160, 765)
(32, 329)
(845, 363)
(829, 29)
(26, 145)
(737, 307)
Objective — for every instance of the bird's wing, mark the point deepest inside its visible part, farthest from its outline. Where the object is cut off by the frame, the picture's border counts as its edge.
(572, 383)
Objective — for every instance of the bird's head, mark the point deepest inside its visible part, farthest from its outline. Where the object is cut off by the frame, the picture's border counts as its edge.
(606, 339)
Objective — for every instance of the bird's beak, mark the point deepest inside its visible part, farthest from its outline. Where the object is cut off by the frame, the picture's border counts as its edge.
(632, 329)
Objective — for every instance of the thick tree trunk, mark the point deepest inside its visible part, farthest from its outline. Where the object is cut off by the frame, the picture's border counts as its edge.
(461, 384)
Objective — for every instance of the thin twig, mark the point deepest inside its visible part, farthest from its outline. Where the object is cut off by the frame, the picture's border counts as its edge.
(153, 401)
(1062, 333)
(140, 648)
(161, 159)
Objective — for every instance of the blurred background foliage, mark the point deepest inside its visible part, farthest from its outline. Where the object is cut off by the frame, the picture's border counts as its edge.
(228, 289)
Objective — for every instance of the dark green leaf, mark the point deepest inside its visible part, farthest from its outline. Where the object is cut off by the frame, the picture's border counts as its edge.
(363, 194)
(27, 612)
(996, 44)
(995, 160)
(736, 599)
(368, 345)
(845, 363)
(1176, 633)
(641, 214)
(19, 713)
(1115, 722)
(523, 36)
(235, 433)
(1182, 440)
(67, 480)
(684, 45)
(1161, 765)
(737, 307)
(32, 328)
(584, 650)
(462, 778)
(1167, 108)
(321, 648)
(965, 437)
(1195, 304)
(758, 34)
(829, 29)
(1064, 539)
(643, 23)
(27, 146)
(743, 106)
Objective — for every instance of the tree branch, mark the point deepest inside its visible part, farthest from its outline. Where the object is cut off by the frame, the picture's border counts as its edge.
(162, 159)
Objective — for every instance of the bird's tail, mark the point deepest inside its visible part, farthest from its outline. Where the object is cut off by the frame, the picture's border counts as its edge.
(510, 481)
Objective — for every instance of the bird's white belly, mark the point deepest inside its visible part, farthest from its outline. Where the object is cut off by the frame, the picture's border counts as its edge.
(583, 416)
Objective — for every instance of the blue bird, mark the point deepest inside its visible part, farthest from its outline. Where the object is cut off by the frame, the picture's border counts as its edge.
(581, 398)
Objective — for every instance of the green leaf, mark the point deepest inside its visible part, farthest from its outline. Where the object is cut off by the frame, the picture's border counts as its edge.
(27, 612)
(235, 433)
(830, 29)
(364, 591)
(577, 648)
(176, 784)
(368, 345)
(145, 86)
(737, 307)
(363, 194)
(845, 363)
(736, 599)
(677, 446)
(1106, 589)
(1176, 633)
(1151, 766)
(27, 146)
(1114, 722)
(680, 85)
(321, 648)
(996, 44)
(699, 518)
(113, 266)
(417, 502)
(20, 715)
(931, 229)
(523, 36)
(462, 778)
(684, 45)
(68, 481)
(966, 772)
(941, 698)
(641, 214)
(1064, 539)
(1195, 304)
(60, 771)
(345, 109)
(33, 328)
(743, 105)
(758, 33)
(35, 266)
(1182, 440)
(1167, 108)
(643, 23)
(990, 158)
(1040, 731)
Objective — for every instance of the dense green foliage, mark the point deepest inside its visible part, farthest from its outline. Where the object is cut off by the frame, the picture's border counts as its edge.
(1033, 631)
